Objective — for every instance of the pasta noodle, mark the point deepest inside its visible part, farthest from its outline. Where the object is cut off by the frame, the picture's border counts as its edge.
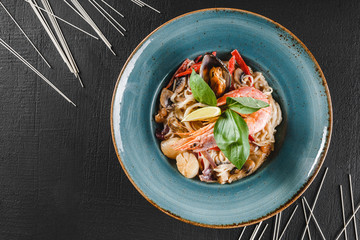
(182, 103)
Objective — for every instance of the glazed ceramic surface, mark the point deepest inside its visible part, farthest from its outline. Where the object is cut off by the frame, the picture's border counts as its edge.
(302, 138)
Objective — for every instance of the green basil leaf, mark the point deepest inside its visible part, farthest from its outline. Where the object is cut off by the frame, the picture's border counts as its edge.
(237, 107)
(245, 105)
(201, 90)
(232, 137)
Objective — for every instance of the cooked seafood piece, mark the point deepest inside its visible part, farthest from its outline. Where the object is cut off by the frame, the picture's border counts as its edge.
(187, 164)
(216, 74)
(168, 148)
(257, 120)
(244, 126)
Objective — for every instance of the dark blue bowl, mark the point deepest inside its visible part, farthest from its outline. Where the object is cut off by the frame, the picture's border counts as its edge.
(299, 86)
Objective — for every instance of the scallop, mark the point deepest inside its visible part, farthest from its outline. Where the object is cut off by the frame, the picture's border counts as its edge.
(216, 74)
(187, 164)
(167, 147)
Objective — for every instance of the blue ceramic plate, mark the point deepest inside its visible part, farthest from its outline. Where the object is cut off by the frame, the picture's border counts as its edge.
(299, 86)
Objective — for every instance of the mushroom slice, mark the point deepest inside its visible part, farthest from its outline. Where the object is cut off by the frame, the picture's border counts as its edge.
(180, 84)
(237, 75)
(165, 98)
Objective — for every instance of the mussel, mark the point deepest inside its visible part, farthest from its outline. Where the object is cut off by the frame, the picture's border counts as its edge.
(216, 74)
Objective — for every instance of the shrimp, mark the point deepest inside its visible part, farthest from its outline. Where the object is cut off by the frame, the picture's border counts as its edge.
(257, 120)
(200, 140)
(203, 139)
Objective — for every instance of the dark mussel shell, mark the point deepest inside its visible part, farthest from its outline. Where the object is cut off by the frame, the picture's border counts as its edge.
(209, 61)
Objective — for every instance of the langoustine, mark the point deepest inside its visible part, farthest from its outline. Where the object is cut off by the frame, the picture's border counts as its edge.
(203, 139)
(257, 120)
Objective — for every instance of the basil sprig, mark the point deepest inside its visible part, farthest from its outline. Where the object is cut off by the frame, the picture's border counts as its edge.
(201, 90)
(231, 135)
(231, 132)
(245, 105)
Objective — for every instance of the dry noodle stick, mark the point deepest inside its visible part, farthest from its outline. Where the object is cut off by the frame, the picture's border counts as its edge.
(342, 209)
(73, 69)
(26, 36)
(63, 20)
(63, 42)
(108, 14)
(287, 224)
(253, 235)
(92, 3)
(308, 230)
(92, 24)
(242, 233)
(75, 10)
(137, 3)
(16, 54)
(275, 226)
(48, 30)
(347, 223)
(86, 20)
(255, 230)
(149, 6)
(352, 206)
(278, 226)
(312, 214)
(263, 231)
(78, 13)
(140, 3)
(314, 204)
(112, 8)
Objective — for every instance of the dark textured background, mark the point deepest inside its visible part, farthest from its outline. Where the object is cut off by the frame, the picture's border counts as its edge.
(59, 175)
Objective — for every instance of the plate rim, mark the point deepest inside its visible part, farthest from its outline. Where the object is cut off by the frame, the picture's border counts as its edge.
(305, 185)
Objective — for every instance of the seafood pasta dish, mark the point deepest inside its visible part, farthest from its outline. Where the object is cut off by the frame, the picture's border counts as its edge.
(217, 118)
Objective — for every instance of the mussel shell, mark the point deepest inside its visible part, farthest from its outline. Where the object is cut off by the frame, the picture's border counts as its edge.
(209, 61)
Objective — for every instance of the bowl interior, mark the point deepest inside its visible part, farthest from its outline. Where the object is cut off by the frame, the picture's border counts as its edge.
(302, 137)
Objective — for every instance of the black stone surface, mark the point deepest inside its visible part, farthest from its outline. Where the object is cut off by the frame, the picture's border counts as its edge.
(59, 175)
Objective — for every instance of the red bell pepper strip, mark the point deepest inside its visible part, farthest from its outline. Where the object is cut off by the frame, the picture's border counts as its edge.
(180, 69)
(198, 59)
(195, 66)
(213, 53)
(241, 62)
(251, 138)
(215, 148)
(231, 65)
